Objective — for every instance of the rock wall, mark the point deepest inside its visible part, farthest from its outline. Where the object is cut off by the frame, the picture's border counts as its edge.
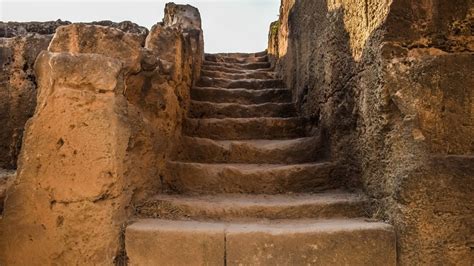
(389, 83)
(109, 112)
(17, 91)
(20, 44)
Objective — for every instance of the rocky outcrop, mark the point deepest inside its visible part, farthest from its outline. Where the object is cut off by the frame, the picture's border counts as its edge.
(109, 111)
(387, 83)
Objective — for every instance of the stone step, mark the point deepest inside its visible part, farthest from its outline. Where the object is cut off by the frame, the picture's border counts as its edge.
(235, 59)
(203, 178)
(282, 242)
(241, 96)
(245, 66)
(255, 84)
(201, 150)
(236, 76)
(232, 207)
(233, 70)
(245, 128)
(200, 109)
(238, 55)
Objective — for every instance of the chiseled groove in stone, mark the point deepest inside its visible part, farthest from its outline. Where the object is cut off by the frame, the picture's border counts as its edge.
(231, 207)
(300, 150)
(202, 178)
(201, 109)
(245, 128)
(242, 96)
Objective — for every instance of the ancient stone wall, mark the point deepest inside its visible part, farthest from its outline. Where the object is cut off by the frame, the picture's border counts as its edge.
(20, 44)
(109, 112)
(390, 86)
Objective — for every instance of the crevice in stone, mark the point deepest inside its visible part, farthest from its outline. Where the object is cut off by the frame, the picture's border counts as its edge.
(225, 247)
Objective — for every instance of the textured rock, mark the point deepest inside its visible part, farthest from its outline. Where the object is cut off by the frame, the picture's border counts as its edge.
(182, 16)
(17, 91)
(388, 81)
(6, 179)
(55, 198)
(14, 29)
(111, 42)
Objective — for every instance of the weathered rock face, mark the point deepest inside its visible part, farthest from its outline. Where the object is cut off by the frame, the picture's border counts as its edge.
(14, 29)
(111, 42)
(388, 82)
(109, 112)
(17, 91)
(55, 197)
(20, 44)
(6, 178)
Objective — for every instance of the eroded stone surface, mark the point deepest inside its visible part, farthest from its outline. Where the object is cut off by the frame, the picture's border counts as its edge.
(240, 207)
(6, 179)
(388, 81)
(109, 112)
(17, 91)
(55, 197)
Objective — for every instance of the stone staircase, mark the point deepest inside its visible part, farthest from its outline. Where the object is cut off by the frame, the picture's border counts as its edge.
(249, 187)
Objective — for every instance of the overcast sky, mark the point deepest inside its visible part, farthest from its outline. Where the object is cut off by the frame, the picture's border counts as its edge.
(229, 25)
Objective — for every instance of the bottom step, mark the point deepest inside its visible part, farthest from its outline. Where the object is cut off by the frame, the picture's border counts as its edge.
(283, 242)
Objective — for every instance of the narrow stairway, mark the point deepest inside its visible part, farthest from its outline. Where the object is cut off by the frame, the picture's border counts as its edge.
(251, 187)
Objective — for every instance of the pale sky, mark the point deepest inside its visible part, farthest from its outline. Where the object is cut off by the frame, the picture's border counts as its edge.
(229, 25)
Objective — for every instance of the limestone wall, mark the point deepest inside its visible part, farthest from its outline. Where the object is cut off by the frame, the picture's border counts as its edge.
(389, 85)
(109, 112)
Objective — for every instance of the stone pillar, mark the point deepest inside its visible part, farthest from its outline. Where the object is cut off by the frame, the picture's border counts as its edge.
(68, 203)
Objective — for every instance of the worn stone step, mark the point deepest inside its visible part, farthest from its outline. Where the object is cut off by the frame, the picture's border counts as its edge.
(245, 128)
(185, 177)
(236, 76)
(231, 207)
(229, 69)
(202, 150)
(250, 66)
(241, 96)
(281, 242)
(235, 59)
(242, 83)
(239, 55)
(200, 109)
